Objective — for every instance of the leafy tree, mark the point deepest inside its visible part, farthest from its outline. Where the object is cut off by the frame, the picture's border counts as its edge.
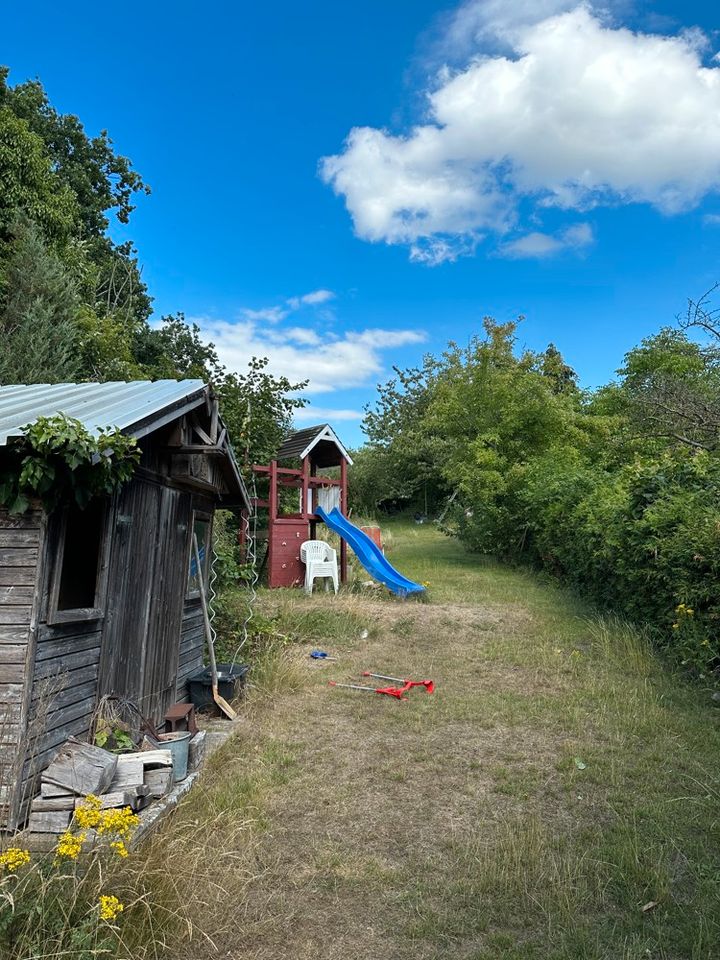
(29, 185)
(671, 388)
(70, 184)
(39, 308)
(176, 350)
(258, 409)
(101, 180)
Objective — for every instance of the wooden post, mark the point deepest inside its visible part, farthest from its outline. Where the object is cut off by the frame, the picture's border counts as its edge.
(343, 511)
(272, 517)
(305, 487)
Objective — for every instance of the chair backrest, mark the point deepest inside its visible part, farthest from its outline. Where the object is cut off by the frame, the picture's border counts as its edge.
(316, 550)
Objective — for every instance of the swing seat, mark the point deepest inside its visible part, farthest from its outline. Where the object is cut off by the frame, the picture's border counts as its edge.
(320, 561)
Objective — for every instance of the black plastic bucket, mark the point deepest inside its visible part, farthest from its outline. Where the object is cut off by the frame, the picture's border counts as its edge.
(231, 680)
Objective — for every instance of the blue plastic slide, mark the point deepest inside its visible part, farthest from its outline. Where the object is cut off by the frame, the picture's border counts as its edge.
(368, 553)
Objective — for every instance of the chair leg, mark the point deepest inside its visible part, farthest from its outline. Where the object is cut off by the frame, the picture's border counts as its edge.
(335, 579)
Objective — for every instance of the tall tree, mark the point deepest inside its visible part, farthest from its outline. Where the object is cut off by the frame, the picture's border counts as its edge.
(39, 308)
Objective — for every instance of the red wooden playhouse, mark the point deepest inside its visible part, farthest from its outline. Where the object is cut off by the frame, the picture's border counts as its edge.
(292, 519)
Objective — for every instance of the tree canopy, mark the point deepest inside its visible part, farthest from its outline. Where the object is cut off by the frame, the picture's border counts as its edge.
(613, 491)
(73, 304)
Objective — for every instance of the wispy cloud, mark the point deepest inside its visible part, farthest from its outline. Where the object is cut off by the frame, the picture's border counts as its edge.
(538, 245)
(546, 103)
(267, 314)
(312, 299)
(278, 312)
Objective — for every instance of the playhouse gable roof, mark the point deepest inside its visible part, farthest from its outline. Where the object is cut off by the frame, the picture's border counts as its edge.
(301, 443)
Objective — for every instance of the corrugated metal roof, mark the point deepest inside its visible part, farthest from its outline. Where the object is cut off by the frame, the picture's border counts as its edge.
(300, 443)
(137, 407)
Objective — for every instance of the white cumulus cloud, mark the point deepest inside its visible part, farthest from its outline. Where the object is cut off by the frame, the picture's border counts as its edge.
(313, 414)
(328, 361)
(555, 107)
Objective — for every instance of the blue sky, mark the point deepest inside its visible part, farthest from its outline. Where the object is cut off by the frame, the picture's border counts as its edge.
(536, 157)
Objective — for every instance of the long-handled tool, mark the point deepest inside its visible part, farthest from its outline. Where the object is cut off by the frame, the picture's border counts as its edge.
(406, 684)
(220, 701)
(388, 691)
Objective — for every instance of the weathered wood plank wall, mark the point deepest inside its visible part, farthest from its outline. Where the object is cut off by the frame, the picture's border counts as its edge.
(21, 541)
(64, 692)
(192, 647)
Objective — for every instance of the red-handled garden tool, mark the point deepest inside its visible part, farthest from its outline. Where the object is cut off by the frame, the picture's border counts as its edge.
(388, 691)
(406, 684)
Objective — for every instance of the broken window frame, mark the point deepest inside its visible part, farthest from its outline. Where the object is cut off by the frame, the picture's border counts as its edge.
(78, 614)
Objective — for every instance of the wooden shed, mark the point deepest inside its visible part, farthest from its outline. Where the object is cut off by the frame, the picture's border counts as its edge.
(105, 600)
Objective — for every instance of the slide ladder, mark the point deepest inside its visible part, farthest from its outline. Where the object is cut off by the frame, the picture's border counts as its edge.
(368, 553)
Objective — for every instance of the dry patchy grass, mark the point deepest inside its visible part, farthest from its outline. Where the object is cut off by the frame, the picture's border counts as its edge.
(556, 782)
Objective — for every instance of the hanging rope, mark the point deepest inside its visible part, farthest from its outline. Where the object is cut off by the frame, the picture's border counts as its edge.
(250, 530)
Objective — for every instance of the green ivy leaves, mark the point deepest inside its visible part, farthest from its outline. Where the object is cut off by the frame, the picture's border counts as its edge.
(60, 459)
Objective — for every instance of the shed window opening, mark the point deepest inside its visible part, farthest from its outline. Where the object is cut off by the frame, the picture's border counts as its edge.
(79, 573)
(201, 530)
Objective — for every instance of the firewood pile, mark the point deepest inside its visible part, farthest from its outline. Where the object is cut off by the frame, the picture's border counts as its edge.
(132, 780)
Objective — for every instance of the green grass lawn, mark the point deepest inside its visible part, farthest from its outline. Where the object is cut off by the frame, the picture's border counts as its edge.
(558, 782)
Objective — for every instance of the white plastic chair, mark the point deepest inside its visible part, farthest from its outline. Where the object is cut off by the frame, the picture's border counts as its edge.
(320, 561)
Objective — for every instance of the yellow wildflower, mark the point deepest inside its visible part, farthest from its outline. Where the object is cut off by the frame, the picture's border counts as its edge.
(88, 814)
(676, 626)
(119, 847)
(122, 822)
(13, 858)
(69, 846)
(689, 611)
(110, 907)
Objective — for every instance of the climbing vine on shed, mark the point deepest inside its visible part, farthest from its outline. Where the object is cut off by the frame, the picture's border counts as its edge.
(58, 459)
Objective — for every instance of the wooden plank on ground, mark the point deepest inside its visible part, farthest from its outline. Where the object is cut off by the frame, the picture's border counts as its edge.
(49, 821)
(159, 781)
(50, 791)
(82, 768)
(51, 804)
(154, 758)
(128, 773)
(117, 798)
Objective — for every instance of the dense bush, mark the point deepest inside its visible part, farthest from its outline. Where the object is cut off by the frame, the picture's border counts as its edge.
(616, 493)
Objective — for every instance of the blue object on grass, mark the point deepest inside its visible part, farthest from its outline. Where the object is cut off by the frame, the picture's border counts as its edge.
(369, 554)
(320, 655)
